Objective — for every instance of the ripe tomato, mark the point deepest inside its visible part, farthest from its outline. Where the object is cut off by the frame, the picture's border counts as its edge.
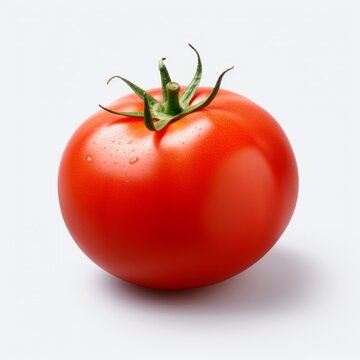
(190, 205)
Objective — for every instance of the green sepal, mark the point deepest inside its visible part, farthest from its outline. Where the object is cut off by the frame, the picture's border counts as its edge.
(165, 77)
(137, 90)
(149, 123)
(189, 92)
(124, 113)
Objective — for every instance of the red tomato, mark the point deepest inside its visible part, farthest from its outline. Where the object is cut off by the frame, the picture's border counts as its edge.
(190, 205)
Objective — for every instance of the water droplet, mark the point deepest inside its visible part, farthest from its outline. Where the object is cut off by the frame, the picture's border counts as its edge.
(89, 158)
(133, 160)
(177, 159)
(94, 142)
(112, 141)
(133, 150)
(115, 162)
(130, 141)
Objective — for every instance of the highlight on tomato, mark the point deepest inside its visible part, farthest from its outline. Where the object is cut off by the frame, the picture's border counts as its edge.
(177, 187)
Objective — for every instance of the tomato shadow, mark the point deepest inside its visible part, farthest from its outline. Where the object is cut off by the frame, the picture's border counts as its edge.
(281, 280)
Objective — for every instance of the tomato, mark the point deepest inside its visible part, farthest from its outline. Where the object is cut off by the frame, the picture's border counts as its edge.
(189, 205)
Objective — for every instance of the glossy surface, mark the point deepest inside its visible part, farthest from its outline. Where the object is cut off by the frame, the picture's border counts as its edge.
(188, 206)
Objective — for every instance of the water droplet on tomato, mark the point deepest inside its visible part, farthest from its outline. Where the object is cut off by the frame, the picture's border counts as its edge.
(89, 158)
(133, 150)
(133, 160)
(130, 141)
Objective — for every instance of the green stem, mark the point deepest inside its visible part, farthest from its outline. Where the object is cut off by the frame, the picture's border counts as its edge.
(172, 104)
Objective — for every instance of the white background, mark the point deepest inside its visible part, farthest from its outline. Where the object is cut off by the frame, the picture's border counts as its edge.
(299, 60)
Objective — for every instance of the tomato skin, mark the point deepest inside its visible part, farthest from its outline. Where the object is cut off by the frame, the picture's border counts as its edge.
(188, 206)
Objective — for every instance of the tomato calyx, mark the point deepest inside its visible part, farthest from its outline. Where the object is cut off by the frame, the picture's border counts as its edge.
(158, 114)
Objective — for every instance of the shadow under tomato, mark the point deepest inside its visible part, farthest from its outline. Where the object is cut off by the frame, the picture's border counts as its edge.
(280, 280)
